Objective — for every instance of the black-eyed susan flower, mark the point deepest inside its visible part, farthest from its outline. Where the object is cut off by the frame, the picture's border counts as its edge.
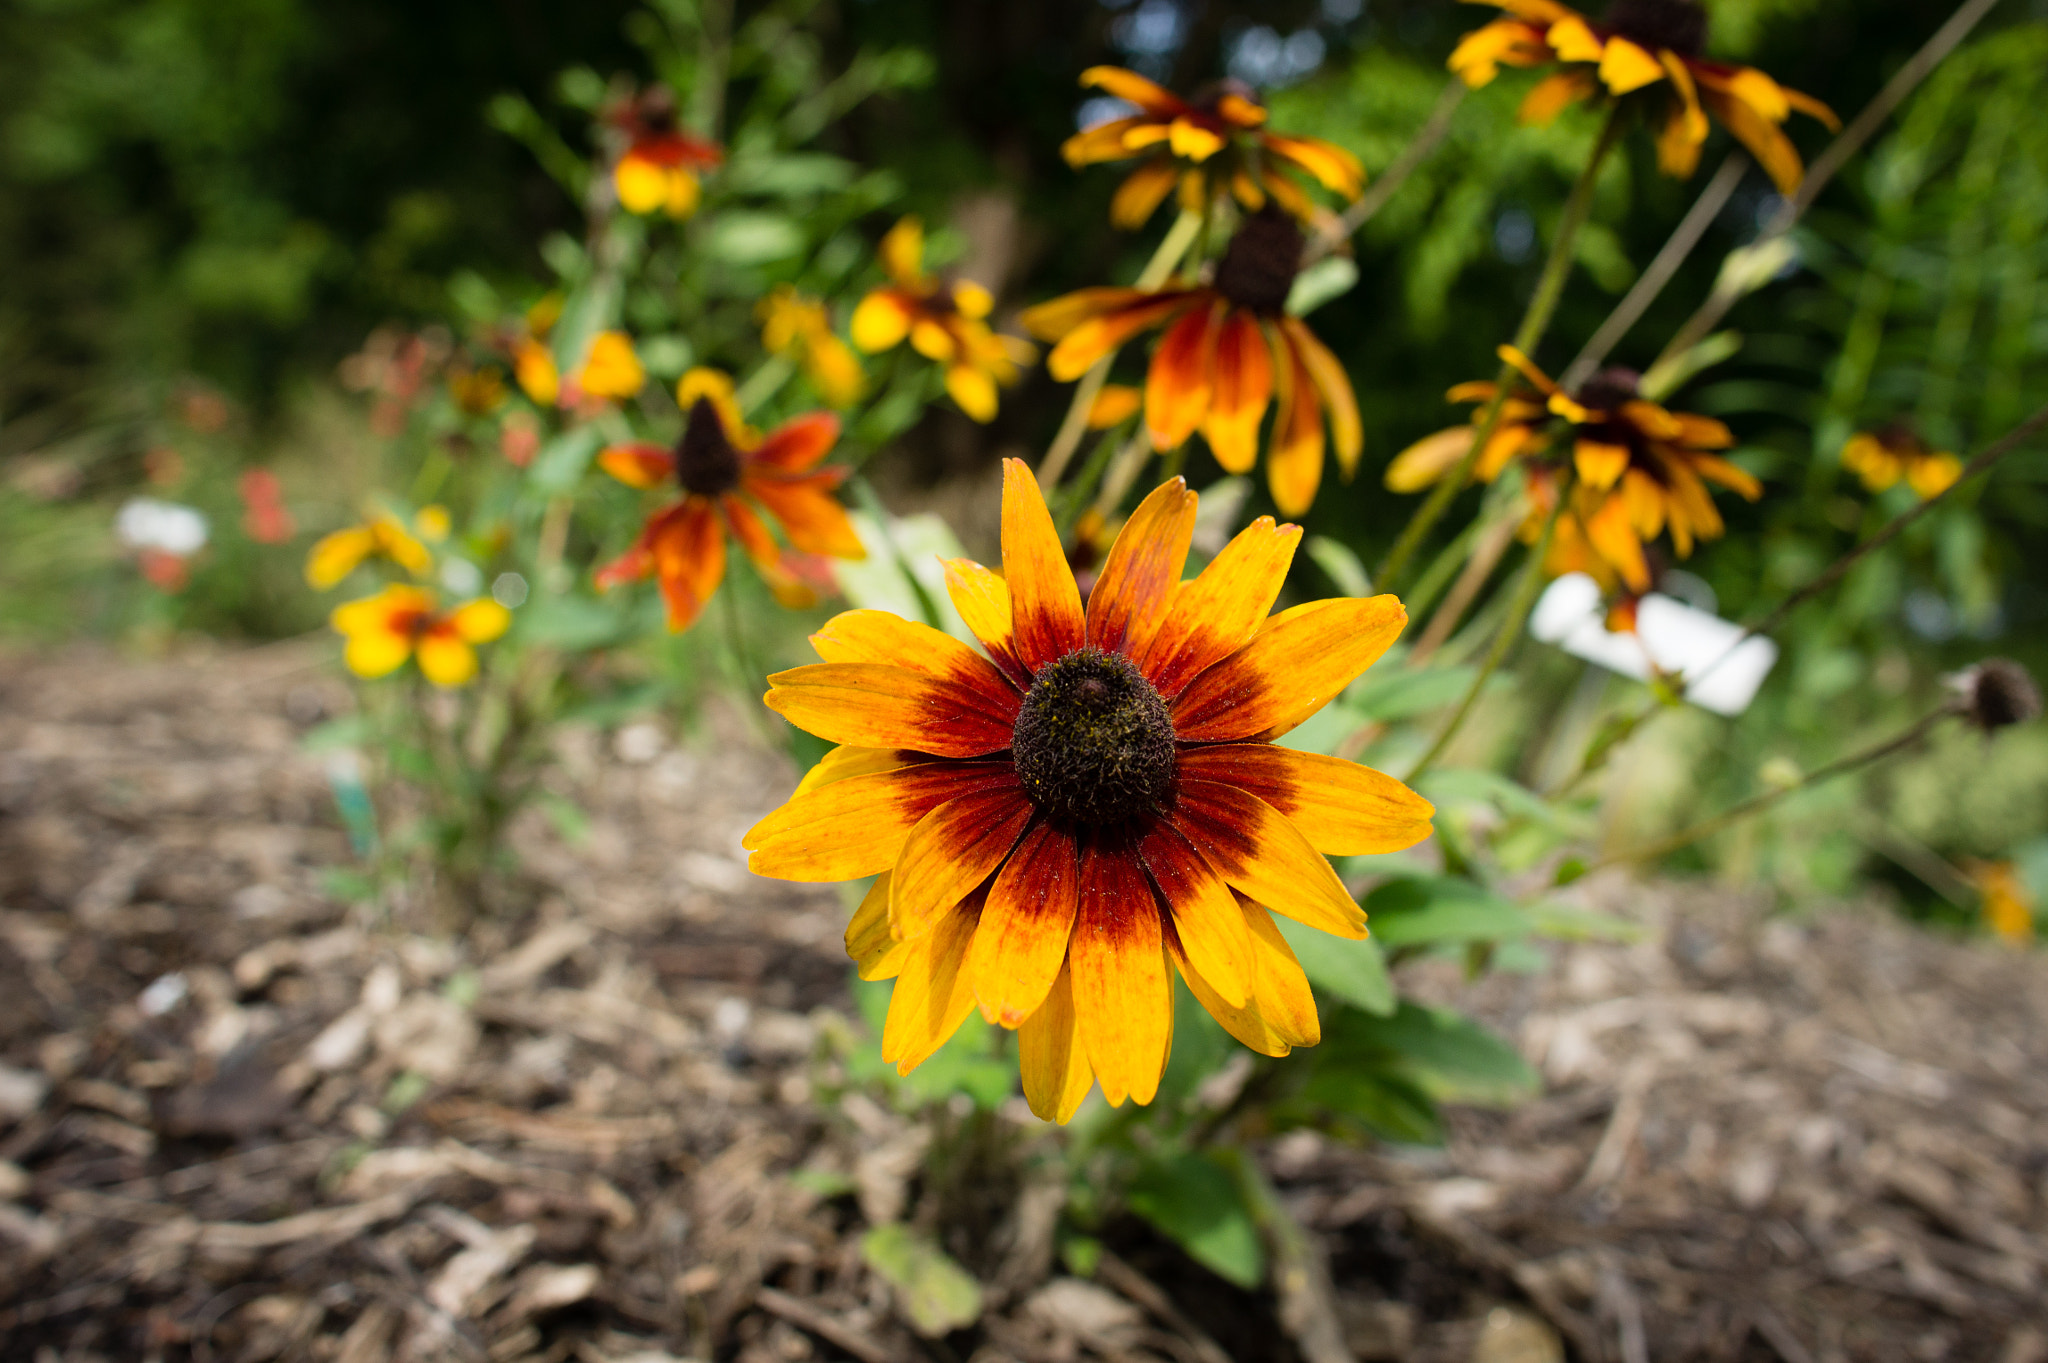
(945, 320)
(611, 368)
(1882, 457)
(1652, 46)
(402, 622)
(1640, 469)
(1211, 146)
(657, 171)
(1229, 351)
(2008, 906)
(725, 468)
(800, 327)
(1096, 802)
(533, 364)
(333, 557)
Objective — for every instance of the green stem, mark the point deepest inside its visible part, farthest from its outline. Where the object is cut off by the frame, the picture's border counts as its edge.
(1510, 630)
(1535, 322)
(765, 382)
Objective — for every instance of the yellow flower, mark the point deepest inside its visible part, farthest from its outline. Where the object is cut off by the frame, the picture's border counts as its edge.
(1114, 405)
(610, 368)
(791, 323)
(944, 321)
(533, 364)
(382, 536)
(1642, 45)
(2008, 906)
(432, 523)
(1880, 458)
(657, 169)
(400, 621)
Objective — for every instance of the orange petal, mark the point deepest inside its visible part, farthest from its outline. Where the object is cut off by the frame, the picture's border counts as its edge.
(1573, 40)
(1335, 387)
(1122, 996)
(1294, 466)
(1096, 337)
(639, 464)
(1616, 540)
(1177, 384)
(1428, 459)
(1342, 808)
(812, 516)
(1141, 193)
(1045, 605)
(766, 556)
(1206, 921)
(983, 600)
(1243, 388)
(1212, 616)
(1254, 847)
(874, 705)
(1022, 941)
(1625, 66)
(1734, 478)
(797, 444)
(1050, 1057)
(1293, 667)
(1600, 465)
(1051, 320)
(932, 998)
(1148, 95)
(953, 849)
(874, 953)
(1281, 1013)
(687, 548)
(1103, 142)
(1772, 149)
(1143, 568)
(872, 636)
(857, 826)
(1336, 169)
(845, 761)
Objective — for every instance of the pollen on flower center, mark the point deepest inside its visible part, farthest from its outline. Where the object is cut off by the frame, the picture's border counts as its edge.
(1093, 743)
(1680, 25)
(706, 462)
(1258, 268)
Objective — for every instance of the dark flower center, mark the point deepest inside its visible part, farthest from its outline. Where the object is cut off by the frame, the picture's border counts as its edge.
(1999, 692)
(1207, 97)
(1901, 437)
(1258, 267)
(1607, 390)
(706, 462)
(1094, 743)
(1680, 25)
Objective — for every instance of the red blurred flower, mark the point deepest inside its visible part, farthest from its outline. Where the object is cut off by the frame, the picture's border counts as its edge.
(264, 516)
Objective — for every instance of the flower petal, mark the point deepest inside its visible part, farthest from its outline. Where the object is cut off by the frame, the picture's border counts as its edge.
(479, 621)
(875, 705)
(1138, 578)
(1206, 920)
(1600, 464)
(338, 554)
(797, 444)
(953, 849)
(874, 636)
(445, 658)
(1335, 168)
(931, 999)
(1428, 459)
(1050, 1057)
(1342, 808)
(1054, 318)
(1244, 387)
(902, 252)
(376, 653)
(1098, 336)
(874, 953)
(1178, 383)
(1148, 95)
(1141, 193)
(881, 321)
(1292, 668)
(760, 548)
(1346, 430)
(1021, 945)
(983, 600)
(687, 548)
(814, 519)
(845, 761)
(1625, 66)
(1102, 142)
(1294, 466)
(1122, 995)
(1254, 847)
(1281, 1013)
(1214, 615)
(856, 825)
(639, 464)
(1772, 149)
(1045, 605)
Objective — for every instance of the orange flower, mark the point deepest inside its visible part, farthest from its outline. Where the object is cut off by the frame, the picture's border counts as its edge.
(944, 321)
(657, 169)
(1096, 803)
(800, 327)
(1640, 469)
(2008, 906)
(1229, 349)
(1640, 45)
(386, 629)
(533, 364)
(610, 368)
(1880, 458)
(1211, 146)
(724, 468)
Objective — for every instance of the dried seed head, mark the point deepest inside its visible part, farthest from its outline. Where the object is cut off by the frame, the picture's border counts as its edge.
(1094, 743)
(1258, 267)
(1680, 25)
(1996, 693)
(706, 462)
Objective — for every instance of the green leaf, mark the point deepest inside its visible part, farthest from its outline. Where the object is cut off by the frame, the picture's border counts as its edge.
(1449, 1056)
(1355, 972)
(753, 238)
(1425, 910)
(1340, 564)
(350, 731)
(1331, 277)
(561, 462)
(1569, 924)
(1198, 1205)
(935, 1293)
(1403, 693)
(1394, 1107)
(572, 624)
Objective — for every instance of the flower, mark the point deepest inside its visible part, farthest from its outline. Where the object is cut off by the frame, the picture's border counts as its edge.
(533, 364)
(265, 518)
(1995, 694)
(2008, 905)
(1114, 405)
(1229, 348)
(1097, 802)
(399, 621)
(724, 467)
(337, 555)
(1211, 146)
(610, 368)
(793, 324)
(944, 321)
(657, 169)
(478, 391)
(1640, 468)
(1642, 44)
(1880, 458)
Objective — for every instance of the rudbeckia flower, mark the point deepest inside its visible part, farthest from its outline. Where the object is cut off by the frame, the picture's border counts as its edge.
(724, 467)
(533, 364)
(401, 621)
(1229, 349)
(945, 321)
(1210, 146)
(1642, 45)
(1062, 822)
(337, 555)
(610, 368)
(800, 327)
(2008, 907)
(1640, 468)
(657, 170)
(1880, 458)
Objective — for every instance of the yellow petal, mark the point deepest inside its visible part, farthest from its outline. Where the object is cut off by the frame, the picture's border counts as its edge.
(447, 660)
(932, 997)
(1050, 1057)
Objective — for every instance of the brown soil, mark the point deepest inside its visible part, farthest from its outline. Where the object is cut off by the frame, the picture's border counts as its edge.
(243, 1120)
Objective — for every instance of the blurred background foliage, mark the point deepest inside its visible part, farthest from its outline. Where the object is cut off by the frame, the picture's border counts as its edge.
(205, 207)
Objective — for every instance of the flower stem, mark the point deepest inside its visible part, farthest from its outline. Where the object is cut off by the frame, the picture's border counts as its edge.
(1175, 245)
(1426, 140)
(1756, 804)
(1523, 602)
(1542, 307)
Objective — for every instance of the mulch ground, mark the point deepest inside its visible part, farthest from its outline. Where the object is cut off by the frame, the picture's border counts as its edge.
(243, 1120)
